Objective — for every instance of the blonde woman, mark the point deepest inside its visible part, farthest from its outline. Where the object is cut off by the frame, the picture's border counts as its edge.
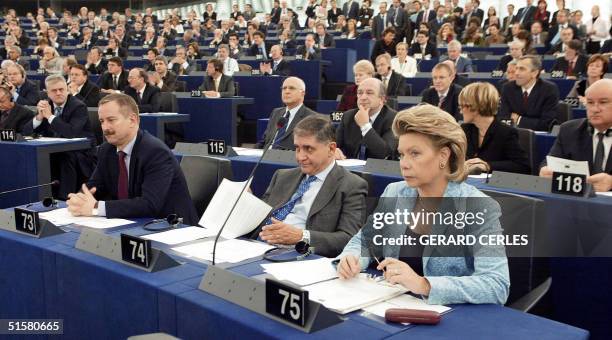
(362, 70)
(402, 63)
(432, 161)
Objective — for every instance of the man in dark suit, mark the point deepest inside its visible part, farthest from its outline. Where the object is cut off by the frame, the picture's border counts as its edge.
(14, 54)
(81, 88)
(275, 13)
(589, 139)
(380, 21)
(95, 63)
(308, 51)
(529, 101)
(145, 95)
(322, 38)
(64, 116)
(319, 203)
(438, 21)
(425, 16)
(508, 20)
(167, 77)
(260, 48)
(277, 65)
(554, 34)
(443, 93)
(394, 82)
(526, 14)
(25, 92)
(423, 46)
(136, 176)
(350, 9)
(293, 92)
(180, 64)
(573, 63)
(462, 64)
(366, 132)
(12, 116)
(477, 12)
(115, 79)
(216, 84)
(398, 18)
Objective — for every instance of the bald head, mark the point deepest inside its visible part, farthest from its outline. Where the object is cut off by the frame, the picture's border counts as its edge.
(599, 104)
(293, 92)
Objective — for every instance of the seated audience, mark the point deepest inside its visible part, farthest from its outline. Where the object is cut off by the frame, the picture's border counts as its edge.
(145, 95)
(596, 68)
(216, 84)
(363, 69)
(443, 94)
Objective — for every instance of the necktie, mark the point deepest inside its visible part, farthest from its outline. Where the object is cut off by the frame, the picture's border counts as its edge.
(363, 148)
(217, 84)
(122, 182)
(599, 154)
(115, 84)
(525, 98)
(441, 102)
(275, 65)
(58, 111)
(282, 212)
(282, 131)
(386, 81)
(395, 16)
(384, 20)
(139, 96)
(536, 40)
(570, 68)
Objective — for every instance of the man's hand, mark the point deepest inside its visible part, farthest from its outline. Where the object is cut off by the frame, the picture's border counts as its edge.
(477, 163)
(601, 182)
(82, 203)
(74, 88)
(280, 232)
(515, 117)
(362, 117)
(546, 172)
(44, 110)
(211, 94)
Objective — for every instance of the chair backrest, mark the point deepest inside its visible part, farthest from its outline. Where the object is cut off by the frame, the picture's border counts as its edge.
(245, 68)
(527, 142)
(167, 102)
(203, 175)
(95, 125)
(563, 112)
(181, 86)
(523, 215)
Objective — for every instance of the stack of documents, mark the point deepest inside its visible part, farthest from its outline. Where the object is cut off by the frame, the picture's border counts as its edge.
(351, 162)
(302, 273)
(345, 296)
(248, 213)
(248, 152)
(231, 251)
(62, 216)
(404, 301)
(182, 235)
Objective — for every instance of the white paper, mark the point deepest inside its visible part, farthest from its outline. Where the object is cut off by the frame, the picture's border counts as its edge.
(159, 113)
(345, 296)
(54, 139)
(351, 162)
(248, 214)
(62, 216)
(404, 301)
(481, 176)
(231, 251)
(181, 235)
(557, 164)
(248, 152)
(302, 273)
(604, 193)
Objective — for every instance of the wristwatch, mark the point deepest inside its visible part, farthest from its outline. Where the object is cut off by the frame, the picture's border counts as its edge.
(305, 236)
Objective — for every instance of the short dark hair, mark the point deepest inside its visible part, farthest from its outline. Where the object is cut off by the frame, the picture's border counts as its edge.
(388, 30)
(80, 67)
(260, 34)
(154, 50)
(116, 60)
(316, 125)
(575, 45)
(218, 64)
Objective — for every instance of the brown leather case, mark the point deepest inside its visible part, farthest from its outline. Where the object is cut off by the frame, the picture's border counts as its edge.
(412, 316)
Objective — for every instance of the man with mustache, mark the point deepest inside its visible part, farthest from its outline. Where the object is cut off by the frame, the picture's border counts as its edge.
(137, 175)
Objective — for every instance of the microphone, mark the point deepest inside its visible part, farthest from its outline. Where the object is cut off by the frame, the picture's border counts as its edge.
(53, 183)
(282, 121)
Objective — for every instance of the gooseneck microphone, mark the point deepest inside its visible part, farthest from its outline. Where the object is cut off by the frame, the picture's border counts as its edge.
(53, 183)
(282, 121)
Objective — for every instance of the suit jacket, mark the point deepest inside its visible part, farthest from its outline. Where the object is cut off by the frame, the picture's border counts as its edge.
(463, 64)
(451, 102)
(29, 93)
(434, 25)
(150, 98)
(282, 69)
(396, 86)
(72, 123)
(328, 40)
(430, 49)
(379, 141)
(580, 68)
(17, 118)
(301, 50)
(478, 12)
(575, 142)
(529, 14)
(430, 16)
(500, 148)
(553, 32)
(101, 68)
(351, 13)
(178, 69)
(226, 85)
(169, 82)
(539, 113)
(106, 81)
(254, 50)
(156, 187)
(337, 213)
(286, 140)
(275, 14)
(348, 100)
(89, 94)
(378, 26)
(120, 52)
(503, 62)
(401, 19)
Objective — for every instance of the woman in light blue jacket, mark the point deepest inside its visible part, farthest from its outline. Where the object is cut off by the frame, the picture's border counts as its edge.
(432, 150)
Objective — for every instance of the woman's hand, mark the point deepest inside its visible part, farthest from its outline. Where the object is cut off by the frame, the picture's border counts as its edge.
(348, 267)
(477, 164)
(397, 271)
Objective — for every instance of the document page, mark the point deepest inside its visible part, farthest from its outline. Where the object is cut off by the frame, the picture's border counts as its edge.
(62, 216)
(557, 164)
(181, 235)
(302, 273)
(231, 251)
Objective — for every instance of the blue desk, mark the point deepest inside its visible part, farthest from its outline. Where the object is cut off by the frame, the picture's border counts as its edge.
(342, 61)
(28, 163)
(155, 123)
(214, 118)
(363, 47)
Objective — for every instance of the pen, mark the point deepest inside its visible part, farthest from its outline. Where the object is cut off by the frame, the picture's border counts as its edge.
(375, 258)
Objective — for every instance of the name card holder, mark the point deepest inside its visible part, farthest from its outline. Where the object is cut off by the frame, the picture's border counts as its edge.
(200, 149)
(251, 294)
(109, 247)
(384, 166)
(281, 156)
(44, 228)
(508, 180)
(9, 135)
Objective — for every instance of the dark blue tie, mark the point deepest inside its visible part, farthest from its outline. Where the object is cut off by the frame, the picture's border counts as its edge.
(282, 212)
(281, 132)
